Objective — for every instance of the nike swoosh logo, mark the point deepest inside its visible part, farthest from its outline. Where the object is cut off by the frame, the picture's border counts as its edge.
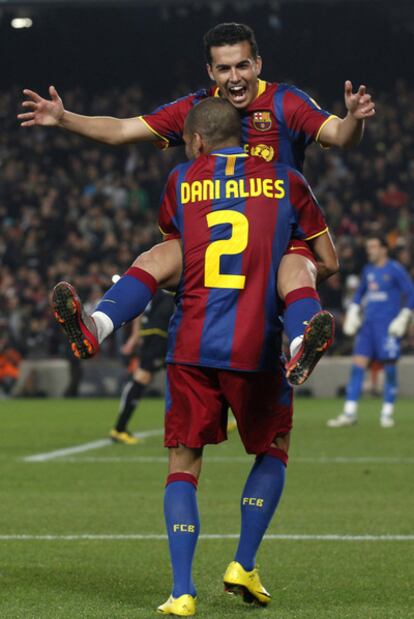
(107, 301)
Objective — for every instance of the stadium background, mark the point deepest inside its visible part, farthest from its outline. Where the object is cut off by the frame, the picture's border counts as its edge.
(73, 209)
(81, 519)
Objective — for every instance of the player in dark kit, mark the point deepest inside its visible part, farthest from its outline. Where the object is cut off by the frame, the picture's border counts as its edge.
(152, 328)
(279, 122)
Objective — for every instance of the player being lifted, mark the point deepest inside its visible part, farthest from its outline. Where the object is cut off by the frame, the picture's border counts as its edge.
(387, 292)
(278, 123)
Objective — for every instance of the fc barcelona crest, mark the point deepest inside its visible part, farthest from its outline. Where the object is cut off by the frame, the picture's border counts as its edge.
(262, 121)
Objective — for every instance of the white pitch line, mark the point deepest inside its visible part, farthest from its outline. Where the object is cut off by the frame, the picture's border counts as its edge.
(213, 536)
(221, 459)
(67, 451)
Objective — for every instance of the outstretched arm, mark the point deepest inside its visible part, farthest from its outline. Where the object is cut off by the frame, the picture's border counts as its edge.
(51, 112)
(347, 132)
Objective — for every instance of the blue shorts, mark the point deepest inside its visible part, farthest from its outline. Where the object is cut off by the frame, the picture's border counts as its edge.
(374, 342)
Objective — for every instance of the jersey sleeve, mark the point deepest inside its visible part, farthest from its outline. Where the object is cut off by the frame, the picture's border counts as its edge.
(167, 216)
(303, 116)
(362, 288)
(167, 121)
(405, 284)
(308, 219)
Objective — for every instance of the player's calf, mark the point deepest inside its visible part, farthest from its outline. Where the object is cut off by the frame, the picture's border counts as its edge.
(79, 328)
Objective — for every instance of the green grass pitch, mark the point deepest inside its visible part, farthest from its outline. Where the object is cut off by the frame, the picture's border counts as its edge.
(346, 482)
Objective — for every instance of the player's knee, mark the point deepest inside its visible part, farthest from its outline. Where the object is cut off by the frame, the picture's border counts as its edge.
(143, 376)
(184, 459)
(146, 262)
(360, 361)
(295, 271)
(282, 442)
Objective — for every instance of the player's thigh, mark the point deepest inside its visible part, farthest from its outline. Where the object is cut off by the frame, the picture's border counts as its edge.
(297, 270)
(196, 410)
(364, 346)
(152, 353)
(388, 346)
(262, 405)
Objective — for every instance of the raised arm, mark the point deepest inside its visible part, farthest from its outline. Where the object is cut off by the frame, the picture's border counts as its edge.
(347, 132)
(51, 112)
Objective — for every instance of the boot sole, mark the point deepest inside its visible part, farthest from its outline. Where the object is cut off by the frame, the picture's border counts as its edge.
(248, 598)
(317, 338)
(67, 312)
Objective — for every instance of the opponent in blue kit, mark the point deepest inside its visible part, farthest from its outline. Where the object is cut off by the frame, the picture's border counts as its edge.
(386, 294)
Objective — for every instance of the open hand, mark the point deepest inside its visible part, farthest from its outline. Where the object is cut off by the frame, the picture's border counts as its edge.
(359, 104)
(46, 112)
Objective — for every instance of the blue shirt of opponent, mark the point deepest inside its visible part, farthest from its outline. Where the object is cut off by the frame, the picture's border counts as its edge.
(385, 291)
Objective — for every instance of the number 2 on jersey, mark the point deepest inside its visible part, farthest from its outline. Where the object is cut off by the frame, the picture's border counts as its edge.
(236, 244)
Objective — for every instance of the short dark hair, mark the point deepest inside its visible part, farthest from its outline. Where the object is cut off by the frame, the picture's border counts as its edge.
(380, 238)
(229, 34)
(216, 120)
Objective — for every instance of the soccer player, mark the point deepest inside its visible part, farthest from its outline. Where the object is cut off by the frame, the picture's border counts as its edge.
(235, 215)
(152, 327)
(387, 295)
(278, 123)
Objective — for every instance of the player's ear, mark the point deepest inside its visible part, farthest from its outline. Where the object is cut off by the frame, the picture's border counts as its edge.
(198, 143)
(259, 64)
(210, 72)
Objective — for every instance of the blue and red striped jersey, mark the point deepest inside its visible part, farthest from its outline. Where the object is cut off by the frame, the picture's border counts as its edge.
(277, 126)
(235, 215)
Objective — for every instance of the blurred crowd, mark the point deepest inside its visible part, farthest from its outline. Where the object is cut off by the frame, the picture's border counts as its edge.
(76, 210)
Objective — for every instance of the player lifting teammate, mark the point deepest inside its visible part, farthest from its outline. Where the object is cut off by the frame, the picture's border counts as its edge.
(224, 340)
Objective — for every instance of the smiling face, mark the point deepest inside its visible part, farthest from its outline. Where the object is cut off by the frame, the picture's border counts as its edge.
(236, 72)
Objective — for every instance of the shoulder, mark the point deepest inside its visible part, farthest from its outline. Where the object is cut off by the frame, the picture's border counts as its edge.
(187, 100)
(397, 267)
(178, 171)
(290, 90)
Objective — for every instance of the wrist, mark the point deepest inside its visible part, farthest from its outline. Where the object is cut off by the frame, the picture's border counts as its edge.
(350, 117)
(63, 120)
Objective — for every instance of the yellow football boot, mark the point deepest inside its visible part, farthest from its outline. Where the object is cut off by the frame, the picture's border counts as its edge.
(246, 584)
(184, 606)
(123, 437)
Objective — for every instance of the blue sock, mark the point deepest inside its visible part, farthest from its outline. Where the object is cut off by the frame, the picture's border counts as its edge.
(354, 386)
(259, 500)
(300, 305)
(129, 297)
(183, 527)
(390, 383)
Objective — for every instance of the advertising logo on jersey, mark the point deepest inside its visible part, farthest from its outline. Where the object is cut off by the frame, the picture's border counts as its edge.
(262, 121)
